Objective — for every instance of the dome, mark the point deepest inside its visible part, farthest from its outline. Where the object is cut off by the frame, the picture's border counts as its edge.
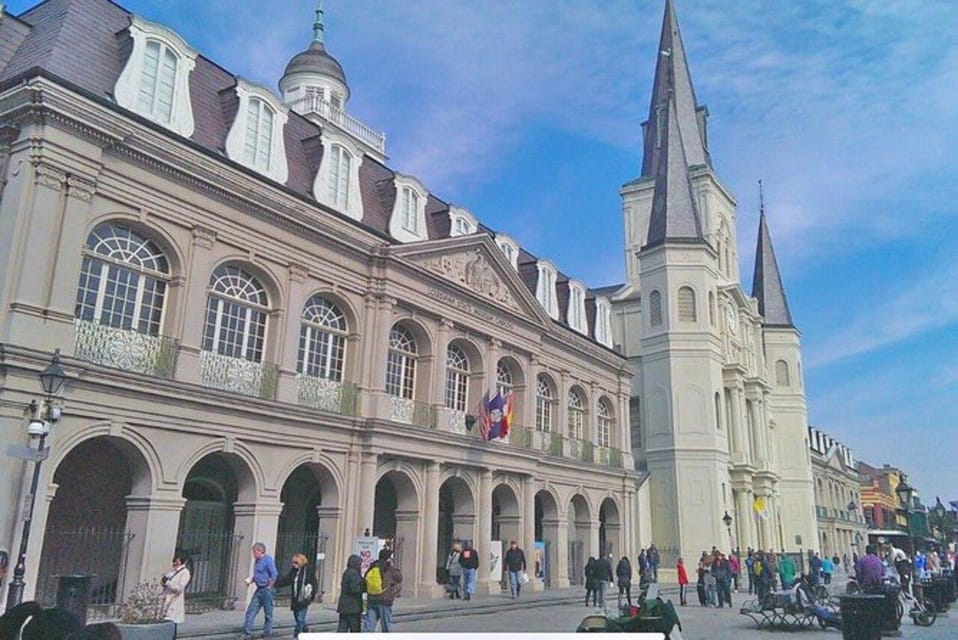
(316, 60)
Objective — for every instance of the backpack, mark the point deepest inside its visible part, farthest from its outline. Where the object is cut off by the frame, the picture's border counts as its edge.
(757, 568)
(374, 581)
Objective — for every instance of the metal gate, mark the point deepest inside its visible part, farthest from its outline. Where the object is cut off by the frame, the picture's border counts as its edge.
(214, 559)
(100, 552)
(309, 543)
(576, 563)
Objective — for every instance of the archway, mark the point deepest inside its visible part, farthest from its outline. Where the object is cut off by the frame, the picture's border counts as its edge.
(86, 529)
(546, 553)
(581, 545)
(457, 516)
(610, 529)
(396, 520)
(208, 531)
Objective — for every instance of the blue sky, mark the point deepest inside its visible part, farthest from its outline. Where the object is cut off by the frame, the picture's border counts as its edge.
(527, 113)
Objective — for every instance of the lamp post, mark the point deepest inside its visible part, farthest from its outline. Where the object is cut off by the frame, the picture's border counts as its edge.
(906, 495)
(727, 519)
(42, 416)
(939, 511)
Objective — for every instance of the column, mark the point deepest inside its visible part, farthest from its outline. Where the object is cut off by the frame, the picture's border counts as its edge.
(437, 395)
(368, 467)
(331, 557)
(430, 530)
(529, 528)
(743, 517)
(188, 324)
(410, 556)
(485, 532)
(734, 427)
(256, 522)
(744, 434)
(559, 553)
(561, 426)
(750, 519)
(529, 398)
(733, 433)
(150, 519)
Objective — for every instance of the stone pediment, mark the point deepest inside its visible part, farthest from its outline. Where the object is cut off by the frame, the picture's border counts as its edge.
(476, 265)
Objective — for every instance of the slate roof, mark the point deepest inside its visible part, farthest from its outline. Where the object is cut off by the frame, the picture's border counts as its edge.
(316, 59)
(767, 281)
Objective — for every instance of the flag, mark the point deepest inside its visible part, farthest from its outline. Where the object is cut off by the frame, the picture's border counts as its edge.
(507, 415)
(760, 508)
(497, 426)
(484, 416)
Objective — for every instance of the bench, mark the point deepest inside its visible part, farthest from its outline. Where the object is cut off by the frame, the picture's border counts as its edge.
(779, 611)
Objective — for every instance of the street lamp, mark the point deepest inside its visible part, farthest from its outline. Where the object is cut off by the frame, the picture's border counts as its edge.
(727, 519)
(41, 418)
(906, 494)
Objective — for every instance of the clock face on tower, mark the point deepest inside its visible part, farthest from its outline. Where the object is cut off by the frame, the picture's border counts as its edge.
(731, 318)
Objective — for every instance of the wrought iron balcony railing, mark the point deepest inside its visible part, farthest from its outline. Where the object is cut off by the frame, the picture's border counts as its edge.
(412, 412)
(256, 379)
(327, 395)
(125, 349)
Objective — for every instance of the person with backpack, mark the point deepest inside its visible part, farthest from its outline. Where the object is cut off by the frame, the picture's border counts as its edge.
(302, 581)
(175, 582)
(469, 561)
(383, 580)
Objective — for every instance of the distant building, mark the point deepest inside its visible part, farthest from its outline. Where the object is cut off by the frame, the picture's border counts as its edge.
(838, 504)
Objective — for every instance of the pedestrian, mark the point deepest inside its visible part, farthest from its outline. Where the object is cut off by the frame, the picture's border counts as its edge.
(590, 588)
(383, 582)
(515, 562)
(264, 577)
(700, 581)
(736, 566)
(814, 569)
(623, 575)
(454, 570)
(603, 577)
(869, 570)
(711, 590)
(653, 557)
(786, 571)
(350, 605)
(174, 583)
(762, 577)
(643, 562)
(827, 568)
(469, 561)
(683, 581)
(303, 590)
(750, 570)
(723, 580)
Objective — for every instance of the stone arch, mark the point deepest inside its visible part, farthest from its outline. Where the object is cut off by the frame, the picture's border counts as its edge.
(157, 233)
(506, 513)
(547, 526)
(86, 526)
(146, 481)
(611, 540)
(270, 280)
(238, 453)
(396, 513)
(458, 512)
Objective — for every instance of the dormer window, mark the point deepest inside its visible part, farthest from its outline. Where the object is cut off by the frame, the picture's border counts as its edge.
(408, 220)
(256, 137)
(462, 223)
(337, 180)
(575, 314)
(509, 248)
(155, 80)
(546, 289)
(603, 322)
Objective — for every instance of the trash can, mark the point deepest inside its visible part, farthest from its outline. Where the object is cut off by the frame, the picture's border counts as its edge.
(942, 588)
(73, 594)
(862, 616)
(891, 620)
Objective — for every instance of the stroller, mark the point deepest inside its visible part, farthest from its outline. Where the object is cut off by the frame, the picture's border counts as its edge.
(656, 615)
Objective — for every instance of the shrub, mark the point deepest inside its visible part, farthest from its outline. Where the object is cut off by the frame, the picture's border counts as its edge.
(146, 604)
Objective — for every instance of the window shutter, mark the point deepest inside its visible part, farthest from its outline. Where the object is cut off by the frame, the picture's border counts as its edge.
(686, 305)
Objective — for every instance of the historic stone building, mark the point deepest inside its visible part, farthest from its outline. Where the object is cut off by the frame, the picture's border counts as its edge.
(271, 335)
(718, 414)
(839, 507)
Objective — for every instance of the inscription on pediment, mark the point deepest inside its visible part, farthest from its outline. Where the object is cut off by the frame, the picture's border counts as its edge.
(472, 271)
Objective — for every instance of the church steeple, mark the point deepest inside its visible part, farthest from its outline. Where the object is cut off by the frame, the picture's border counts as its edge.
(767, 281)
(318, 26)
(674, 214)
(673, 80)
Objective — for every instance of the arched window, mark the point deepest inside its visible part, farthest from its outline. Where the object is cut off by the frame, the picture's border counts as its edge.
(339, 177)
(123, 280)
(322, 340)
(259, 134)
(655, 308)
(781, 373)
(687, 305)
(457, 378)
(545, 402)
(718, 412)
(504, 379)
(576, 414)
(606, 421)
(157, 82)
(401, 364)
(235, 315)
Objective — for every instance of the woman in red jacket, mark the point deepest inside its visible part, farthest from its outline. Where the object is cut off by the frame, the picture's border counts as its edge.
(683, 581)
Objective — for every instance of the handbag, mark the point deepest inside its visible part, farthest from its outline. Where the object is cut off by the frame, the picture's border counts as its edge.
(523, 578)
(306, 594)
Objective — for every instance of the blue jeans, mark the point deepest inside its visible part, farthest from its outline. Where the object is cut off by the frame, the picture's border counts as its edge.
(262, 599)
(382, 612)
(469, 575)
(600, 587)
(299, 616)
(514, 584)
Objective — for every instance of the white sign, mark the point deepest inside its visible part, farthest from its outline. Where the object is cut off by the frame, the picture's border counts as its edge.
(367, 548)
(495, 560)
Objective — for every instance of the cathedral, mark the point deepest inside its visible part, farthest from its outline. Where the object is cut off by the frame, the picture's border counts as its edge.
(269, 334)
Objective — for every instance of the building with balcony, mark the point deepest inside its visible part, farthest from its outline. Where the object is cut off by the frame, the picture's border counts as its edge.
(842, 530)
(271, 335)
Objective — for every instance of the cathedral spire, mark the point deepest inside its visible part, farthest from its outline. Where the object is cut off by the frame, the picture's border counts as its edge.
(318, 26)
(672, 79)
(767, 281)
(674, 214)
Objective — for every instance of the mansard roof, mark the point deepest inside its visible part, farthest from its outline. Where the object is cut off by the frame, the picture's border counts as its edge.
(82, 43)
(767, 281)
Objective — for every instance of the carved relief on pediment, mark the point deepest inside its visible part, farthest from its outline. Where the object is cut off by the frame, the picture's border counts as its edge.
(472, 271)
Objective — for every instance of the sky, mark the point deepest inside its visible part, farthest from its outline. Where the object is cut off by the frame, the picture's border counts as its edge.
(528, 113)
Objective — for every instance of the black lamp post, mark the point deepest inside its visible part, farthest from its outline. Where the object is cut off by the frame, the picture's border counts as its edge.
(727, 519)
(906, 494)
(939, 511)
(41, 419)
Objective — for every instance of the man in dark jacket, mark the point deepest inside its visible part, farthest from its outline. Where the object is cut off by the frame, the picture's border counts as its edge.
(350, 606)
(302, 579)
(469, 561)
(380, 605)
(603, 576)
(515, 561)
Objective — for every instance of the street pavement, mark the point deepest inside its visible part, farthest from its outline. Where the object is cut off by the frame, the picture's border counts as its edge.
(548, 611)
